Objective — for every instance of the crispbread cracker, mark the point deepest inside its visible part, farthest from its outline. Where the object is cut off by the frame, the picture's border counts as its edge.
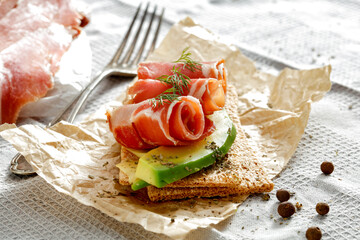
(240, 172)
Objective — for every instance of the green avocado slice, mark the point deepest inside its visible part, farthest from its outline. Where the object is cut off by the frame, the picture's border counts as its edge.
(164, 165)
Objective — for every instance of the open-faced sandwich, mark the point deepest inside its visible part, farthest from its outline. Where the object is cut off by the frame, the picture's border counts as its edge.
(181, 136)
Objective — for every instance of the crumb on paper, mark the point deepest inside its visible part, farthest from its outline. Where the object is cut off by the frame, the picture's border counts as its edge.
(298, 205)
(265, 197)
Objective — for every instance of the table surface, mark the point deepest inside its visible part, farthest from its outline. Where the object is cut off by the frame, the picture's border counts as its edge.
(275, 34)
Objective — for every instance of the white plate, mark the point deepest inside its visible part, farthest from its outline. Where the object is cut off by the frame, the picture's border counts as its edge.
(73, 74)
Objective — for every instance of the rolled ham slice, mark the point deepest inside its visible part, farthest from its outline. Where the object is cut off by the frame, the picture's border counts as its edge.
(209, 91)
(154, 70)
(143, 126)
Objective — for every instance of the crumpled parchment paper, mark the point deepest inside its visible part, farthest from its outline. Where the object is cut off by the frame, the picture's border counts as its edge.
(79, 160)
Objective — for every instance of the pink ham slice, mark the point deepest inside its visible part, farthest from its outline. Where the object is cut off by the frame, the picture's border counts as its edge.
(209, 91)
(34, 35)
(6, 6)
(142, 126)
(154, 70)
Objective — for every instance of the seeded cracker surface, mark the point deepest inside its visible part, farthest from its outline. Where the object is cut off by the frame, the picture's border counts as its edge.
(240, 172)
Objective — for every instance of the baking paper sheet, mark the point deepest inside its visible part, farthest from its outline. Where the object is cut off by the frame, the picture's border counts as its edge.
(79, 160)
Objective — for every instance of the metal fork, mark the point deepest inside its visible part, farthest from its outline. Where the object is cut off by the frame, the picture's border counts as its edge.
(120, 65)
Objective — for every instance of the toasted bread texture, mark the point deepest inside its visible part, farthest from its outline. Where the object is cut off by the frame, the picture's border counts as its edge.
(240, 172)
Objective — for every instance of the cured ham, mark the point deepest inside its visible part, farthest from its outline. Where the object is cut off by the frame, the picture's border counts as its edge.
(34, 35)
(154, 70)
(187, 96)
(209, 91)
(6, 6)
(143, 126)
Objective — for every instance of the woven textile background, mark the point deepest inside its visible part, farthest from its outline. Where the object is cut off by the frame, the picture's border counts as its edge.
(275, 34)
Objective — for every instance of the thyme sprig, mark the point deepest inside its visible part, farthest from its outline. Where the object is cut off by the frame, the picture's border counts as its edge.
(188, 62)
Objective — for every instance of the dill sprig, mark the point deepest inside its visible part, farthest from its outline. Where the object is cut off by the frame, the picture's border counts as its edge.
(178, 81)
(167, 97)
(188, 62)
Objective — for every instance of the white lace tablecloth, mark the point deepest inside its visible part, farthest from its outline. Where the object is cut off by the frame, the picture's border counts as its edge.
(275, 34)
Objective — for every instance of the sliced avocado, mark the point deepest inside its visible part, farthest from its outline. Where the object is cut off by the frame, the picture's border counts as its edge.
(139, 184)
(164, 165)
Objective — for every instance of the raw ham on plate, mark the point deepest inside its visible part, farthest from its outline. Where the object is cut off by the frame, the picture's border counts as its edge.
(34, 35)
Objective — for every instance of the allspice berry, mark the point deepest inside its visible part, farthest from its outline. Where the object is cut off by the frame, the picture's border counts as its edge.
(313, 233)
(322, 208)
(282, 195)
(327, 167)
(286, 209)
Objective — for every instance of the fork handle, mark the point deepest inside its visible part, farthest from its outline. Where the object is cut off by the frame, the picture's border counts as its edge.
(86, 92)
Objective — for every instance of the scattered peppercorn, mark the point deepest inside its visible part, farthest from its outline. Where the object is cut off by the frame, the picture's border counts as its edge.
(322, 208)
(286, 209)
(265, 197)
(327, 167)
(313, 233)
(282, 195)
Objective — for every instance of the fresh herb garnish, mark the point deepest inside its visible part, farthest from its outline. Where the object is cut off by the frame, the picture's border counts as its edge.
(188, 62)
(178, 81)
(164, 98)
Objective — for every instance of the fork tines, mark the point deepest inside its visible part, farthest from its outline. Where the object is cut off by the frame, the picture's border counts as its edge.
(127, 59)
